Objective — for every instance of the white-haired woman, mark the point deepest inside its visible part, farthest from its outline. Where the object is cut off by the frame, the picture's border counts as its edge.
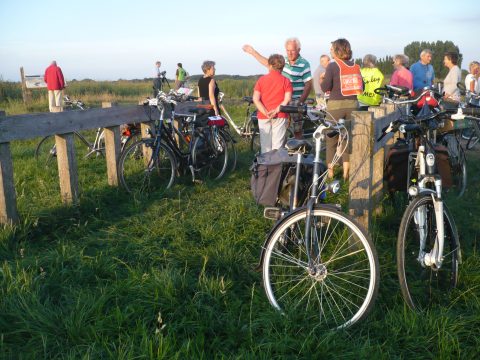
(207, 86)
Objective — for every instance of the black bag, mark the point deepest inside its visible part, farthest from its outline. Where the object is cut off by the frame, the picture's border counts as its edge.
(273, 177)
(396, 166)
(442, 159)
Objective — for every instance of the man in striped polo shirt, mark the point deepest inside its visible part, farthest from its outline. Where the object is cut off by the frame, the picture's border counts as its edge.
(297, 70)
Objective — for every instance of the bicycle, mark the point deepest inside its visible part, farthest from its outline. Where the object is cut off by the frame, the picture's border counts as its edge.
(316, 259)
(403, 98)
(428, 247)
(46, 150)
(152, 163)
(472, 106)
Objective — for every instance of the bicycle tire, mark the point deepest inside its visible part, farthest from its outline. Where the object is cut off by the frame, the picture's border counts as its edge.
(474, 137)
(45, 152)
(141, 174)
(345, 287)
(422, 285)
(232, 150)
(459, 172)
(210, 155)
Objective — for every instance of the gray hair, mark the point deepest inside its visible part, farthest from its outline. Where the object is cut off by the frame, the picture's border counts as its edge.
(402, 59)
(425, 52)
(369, 60)
(294, 40)
(207, 65)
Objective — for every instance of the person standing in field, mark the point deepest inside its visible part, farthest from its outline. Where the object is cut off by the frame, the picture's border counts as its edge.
(344, 81)
(157, 79)
(372, 80)
(297, 70)
(318, 76)
(422, 71)
(180, 76)
(270, 92)
(55, 85)
(207, 86)
(401, 76)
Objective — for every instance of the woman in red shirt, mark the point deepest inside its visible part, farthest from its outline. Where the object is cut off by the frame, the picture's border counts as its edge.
(270, 92)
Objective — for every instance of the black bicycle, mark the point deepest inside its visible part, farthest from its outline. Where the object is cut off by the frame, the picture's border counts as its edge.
(198, 146)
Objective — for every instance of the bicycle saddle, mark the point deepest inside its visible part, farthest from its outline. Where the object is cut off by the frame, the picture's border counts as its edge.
(298, 146)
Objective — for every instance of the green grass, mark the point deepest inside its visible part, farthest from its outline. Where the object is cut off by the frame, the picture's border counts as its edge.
(173, 276)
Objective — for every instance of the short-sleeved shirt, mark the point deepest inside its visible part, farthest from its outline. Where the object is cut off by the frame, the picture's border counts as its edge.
(423, 75)
(298, 73)
(402, 77)
(453, 77)
(272, 88)
(476, 86)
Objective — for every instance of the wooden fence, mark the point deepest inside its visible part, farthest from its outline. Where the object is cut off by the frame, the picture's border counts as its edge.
(366, 159)
(62, 125)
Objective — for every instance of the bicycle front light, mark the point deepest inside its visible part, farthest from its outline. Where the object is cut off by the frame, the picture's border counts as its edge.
(413, 191)
(430, 159)
(334, 186)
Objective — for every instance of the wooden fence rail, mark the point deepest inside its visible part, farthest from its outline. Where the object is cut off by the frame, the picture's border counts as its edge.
(62, 125)
(366, 159)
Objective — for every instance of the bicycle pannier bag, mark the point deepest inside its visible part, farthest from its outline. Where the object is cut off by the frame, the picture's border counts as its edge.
(266, 178)
(396, 166)
(442, 159)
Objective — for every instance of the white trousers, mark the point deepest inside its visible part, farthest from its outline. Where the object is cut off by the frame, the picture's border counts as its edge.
(272, 133)
(55, 98)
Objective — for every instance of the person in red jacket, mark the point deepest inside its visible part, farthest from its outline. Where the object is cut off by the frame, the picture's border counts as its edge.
(55, 85)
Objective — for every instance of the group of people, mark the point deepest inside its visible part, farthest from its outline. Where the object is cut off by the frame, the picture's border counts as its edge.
(159, 77)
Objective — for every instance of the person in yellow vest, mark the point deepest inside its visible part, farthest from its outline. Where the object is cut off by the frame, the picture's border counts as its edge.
(344, 82)
(372, 79)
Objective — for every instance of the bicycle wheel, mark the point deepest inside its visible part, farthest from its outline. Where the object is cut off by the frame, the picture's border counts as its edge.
(342, 286)
(423, 285)
(139, 172)
(459, 172)
(472, 141)
(210, 154)
(46, 151)
(232, 150)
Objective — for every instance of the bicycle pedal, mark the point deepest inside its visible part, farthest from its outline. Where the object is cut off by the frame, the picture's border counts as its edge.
(272, 213)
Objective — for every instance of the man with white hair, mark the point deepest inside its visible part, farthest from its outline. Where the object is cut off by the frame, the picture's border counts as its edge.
(55, 85)
(422, 71)
(297, 70)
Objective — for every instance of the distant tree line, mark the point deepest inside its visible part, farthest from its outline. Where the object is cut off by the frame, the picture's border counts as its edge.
(413, 50)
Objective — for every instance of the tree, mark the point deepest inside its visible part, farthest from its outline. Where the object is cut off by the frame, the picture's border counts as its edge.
(439, 48)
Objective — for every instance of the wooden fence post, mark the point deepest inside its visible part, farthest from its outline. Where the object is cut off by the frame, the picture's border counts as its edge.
(112, 149)
(361, 168)
(378, 165)
(25, 92)
(8, 198)
(67, 168)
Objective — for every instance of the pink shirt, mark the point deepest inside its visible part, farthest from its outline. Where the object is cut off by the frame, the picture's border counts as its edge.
(402, 77)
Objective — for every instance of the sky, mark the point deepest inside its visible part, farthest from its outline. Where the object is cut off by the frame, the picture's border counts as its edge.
(122, 39)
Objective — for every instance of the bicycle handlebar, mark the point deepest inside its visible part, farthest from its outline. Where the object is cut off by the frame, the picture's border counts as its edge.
(290, 109)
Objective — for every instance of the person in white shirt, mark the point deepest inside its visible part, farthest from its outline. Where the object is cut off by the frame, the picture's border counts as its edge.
(454, 76)
(471, 81)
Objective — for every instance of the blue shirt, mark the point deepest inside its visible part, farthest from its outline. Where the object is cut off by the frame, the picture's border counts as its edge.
(423, 75)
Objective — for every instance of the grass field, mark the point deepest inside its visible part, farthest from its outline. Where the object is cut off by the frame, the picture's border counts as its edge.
(173, 276)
